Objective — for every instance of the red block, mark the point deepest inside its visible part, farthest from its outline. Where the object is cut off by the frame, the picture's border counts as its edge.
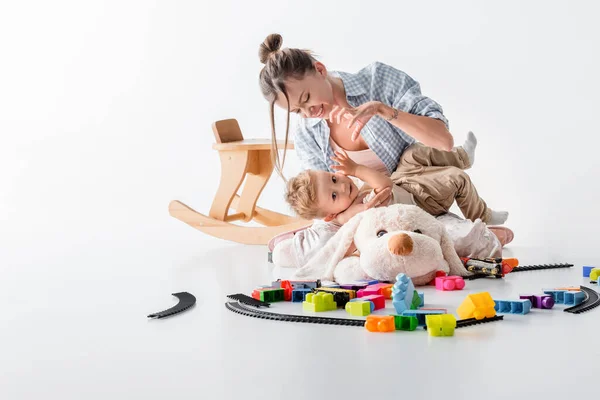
(287, 290)
(377, 299)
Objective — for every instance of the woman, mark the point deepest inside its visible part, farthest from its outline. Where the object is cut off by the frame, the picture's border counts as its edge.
(374, 115)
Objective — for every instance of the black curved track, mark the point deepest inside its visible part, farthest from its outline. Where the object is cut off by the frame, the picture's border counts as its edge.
(240, 308)
(186, 300)
(251, 312)
(538, 267)
(592, 300)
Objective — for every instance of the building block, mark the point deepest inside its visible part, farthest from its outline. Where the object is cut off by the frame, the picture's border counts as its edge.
(359, 308)
(306, 284)
(330, 285)
(299, 295)
(478, 306)
(557, 295)
(586, 270)
(594, 274)
(369, 281)
(384, 289)
(287, 290)
(421, 314)
(403, 292)
(354, 285)
(269, 295)
(512, 306)
(377, 299)
(441, 325)
(367, 300)
(380, 323)
(340, 296)
(545, 301)
(421, 298)
(405, 323)
(574, 298)
(319, 302)
(447, 283)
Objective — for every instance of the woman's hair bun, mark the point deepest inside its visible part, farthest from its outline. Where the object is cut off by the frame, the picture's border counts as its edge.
(271, 44)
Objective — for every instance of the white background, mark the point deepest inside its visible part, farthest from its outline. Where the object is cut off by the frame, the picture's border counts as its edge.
(105, 116)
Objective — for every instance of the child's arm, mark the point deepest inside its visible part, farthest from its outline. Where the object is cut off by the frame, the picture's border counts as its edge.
(375, 179)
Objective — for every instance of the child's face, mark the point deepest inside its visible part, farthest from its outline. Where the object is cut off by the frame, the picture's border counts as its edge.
(335, 192)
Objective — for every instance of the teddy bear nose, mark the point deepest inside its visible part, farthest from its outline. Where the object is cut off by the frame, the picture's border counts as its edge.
(400, 244)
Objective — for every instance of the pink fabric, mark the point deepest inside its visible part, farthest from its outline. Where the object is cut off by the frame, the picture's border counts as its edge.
(367, 157)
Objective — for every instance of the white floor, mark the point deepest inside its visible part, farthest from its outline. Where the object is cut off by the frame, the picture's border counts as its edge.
(74, 326)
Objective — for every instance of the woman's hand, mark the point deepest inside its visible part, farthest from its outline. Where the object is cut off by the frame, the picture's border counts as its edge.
(357, 117)
(347, 166)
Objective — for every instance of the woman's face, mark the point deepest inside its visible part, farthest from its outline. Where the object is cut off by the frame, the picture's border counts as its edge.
(311, 96)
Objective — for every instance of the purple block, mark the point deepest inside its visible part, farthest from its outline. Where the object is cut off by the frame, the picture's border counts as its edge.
(545, 301)
(527, 297)
(354, 286)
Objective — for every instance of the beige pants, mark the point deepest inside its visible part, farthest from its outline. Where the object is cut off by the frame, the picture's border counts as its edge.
(436, 178)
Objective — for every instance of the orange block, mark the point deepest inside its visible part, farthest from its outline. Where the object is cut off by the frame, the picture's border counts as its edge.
(380, 323)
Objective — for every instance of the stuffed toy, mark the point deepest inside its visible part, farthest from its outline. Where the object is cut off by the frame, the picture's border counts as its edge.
(389, 241)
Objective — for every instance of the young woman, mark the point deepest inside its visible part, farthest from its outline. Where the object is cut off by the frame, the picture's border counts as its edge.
(373, 115)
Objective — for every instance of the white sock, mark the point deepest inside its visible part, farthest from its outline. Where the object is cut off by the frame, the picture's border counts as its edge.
(469, 146)
(498, 217)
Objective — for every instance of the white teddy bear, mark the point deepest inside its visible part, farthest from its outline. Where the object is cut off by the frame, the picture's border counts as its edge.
(391, 240)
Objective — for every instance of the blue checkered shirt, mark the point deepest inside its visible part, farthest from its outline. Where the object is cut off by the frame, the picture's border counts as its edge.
(376, 82)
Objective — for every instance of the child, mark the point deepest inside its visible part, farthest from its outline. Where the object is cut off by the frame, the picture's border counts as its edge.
(429, 178)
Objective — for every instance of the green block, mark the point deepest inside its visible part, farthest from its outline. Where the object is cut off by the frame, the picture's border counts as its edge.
(405, 323)
(271, 296)
(416, 301)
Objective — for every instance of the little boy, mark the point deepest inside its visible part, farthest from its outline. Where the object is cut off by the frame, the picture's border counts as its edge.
(429, 178)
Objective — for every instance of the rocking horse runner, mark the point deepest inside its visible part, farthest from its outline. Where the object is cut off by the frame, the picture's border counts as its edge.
(240, 159)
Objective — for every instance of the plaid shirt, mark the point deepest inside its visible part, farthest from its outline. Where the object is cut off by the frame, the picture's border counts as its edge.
(376, 82)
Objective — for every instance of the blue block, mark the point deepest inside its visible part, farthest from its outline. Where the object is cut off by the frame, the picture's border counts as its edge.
(512, 306)
(368, 281)
(299, 295)
(586, 271)
(363, 299)
(557, 295)
(402, 293)
(422, 297)
(574, 298)
(420, 314)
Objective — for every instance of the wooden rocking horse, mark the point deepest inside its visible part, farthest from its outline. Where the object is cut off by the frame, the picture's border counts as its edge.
(240, 159)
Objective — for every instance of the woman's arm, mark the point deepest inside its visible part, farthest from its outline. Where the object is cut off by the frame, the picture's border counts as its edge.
(429, 131)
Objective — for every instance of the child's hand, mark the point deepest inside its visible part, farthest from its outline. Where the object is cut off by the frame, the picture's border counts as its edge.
(347, 166)
(378, 200)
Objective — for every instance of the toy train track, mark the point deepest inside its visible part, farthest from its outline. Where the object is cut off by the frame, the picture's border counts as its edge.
(240, 308)
(520, 269)
(462, 323)
(539, 267)
(243, 298)
(592, 300)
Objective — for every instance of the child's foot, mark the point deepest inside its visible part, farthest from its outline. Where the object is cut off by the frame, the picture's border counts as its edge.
(498, 217)
(469, 147)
